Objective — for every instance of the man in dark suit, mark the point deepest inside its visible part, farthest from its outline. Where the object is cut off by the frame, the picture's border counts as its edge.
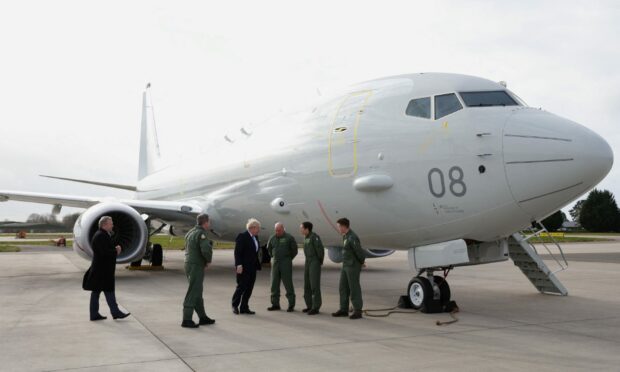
(100, 276)
(246, 265)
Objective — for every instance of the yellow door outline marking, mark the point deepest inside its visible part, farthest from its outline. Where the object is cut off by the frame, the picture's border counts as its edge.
(340, 129)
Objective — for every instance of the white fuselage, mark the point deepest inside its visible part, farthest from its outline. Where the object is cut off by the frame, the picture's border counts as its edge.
(480, 173)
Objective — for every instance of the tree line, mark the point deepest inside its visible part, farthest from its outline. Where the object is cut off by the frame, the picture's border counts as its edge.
(597, 213)
(50, 219)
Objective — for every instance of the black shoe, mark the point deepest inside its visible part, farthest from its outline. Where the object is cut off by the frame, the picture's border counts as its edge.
(121, 315)
(357, 314)
(248, 311)
(274, 308)
(235, 311)
(206, 321)
(189, 324)
(305, 310)
(98, 317)
(340, 313)
(290, 309)
(313, 312)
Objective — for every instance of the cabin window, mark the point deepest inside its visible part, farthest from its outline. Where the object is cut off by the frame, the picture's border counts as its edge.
(446, 104)
(491, 98)
(420, 107)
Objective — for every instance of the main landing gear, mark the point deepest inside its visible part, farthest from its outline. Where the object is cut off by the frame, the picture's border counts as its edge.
(429, 294)
(153, 253)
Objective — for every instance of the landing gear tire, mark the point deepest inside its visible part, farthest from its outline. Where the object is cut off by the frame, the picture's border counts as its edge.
(421, 295)
(444, 290)
(157, 255)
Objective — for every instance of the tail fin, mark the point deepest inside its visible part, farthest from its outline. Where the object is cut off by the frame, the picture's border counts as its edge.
(150, 160)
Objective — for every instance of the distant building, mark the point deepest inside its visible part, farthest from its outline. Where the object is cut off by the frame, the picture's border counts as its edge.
(570, 226)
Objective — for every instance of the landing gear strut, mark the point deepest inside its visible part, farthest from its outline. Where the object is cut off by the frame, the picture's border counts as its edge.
(430, 294)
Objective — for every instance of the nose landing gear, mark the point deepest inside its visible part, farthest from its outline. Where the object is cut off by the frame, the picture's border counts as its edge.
(430, 294)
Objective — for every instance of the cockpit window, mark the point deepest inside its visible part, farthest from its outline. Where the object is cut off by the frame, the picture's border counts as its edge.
(420, 107)
(446, 104)
(491, 98)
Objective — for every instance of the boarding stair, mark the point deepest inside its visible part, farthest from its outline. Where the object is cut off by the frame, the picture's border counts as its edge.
(524, 255)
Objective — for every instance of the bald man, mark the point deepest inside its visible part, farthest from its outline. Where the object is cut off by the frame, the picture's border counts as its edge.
(282, 248)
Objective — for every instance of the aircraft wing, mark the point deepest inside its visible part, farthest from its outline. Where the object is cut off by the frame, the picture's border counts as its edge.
(105, 184)
(166, 210)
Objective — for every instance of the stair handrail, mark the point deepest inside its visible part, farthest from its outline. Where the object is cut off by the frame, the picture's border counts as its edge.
(537, 233)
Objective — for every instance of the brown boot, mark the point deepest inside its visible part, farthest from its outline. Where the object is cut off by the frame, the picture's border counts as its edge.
(357, 314)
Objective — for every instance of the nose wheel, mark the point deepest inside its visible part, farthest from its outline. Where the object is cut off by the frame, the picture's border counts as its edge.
(429, 295)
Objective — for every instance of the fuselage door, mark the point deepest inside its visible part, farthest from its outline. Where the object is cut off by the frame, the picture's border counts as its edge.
(343, 136)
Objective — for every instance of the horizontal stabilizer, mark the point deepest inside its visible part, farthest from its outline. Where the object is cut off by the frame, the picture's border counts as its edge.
(105, 184)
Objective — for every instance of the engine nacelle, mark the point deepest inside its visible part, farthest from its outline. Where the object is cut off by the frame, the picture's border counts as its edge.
(335, 253)
(130, 231)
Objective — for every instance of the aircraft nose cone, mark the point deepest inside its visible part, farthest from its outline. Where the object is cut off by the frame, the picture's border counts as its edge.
(597, 155)
(550, 161)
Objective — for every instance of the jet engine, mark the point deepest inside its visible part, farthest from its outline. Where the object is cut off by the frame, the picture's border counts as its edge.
(335, 253)
(130, 231)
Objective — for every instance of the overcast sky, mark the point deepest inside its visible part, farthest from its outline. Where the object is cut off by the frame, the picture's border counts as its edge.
(72, 72)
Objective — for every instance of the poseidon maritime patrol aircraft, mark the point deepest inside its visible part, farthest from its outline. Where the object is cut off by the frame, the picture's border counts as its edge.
(449, 167)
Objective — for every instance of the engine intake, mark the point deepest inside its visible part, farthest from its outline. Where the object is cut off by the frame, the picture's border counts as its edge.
(130, 231)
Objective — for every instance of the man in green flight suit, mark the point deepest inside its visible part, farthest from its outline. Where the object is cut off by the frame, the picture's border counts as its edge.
(198, 254)
(282, 247)
(314, 252)
(353, 258)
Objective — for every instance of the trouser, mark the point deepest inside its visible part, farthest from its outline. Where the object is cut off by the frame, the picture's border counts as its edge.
(245, 286)
(193, 298)
(312, 284)
(282, 270)
(110, 298)
(350, 288)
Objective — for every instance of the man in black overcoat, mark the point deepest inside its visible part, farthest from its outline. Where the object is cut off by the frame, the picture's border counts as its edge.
(246, 265)
(100, 276)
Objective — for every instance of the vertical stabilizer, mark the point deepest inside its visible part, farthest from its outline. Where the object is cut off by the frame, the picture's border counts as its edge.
(149, 145)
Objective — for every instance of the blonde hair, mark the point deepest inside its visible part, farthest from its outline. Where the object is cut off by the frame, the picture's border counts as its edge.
(251, 223)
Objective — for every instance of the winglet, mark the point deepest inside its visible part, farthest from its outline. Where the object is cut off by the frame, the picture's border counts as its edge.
(150, 161)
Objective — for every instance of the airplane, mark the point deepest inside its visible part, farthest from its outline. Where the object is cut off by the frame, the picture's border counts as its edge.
(448, 167)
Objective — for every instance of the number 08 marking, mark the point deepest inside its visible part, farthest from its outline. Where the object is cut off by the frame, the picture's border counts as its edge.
(441, 182)
(437, 186)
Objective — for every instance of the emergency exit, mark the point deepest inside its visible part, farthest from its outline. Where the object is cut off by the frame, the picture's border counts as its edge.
(343, 136)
